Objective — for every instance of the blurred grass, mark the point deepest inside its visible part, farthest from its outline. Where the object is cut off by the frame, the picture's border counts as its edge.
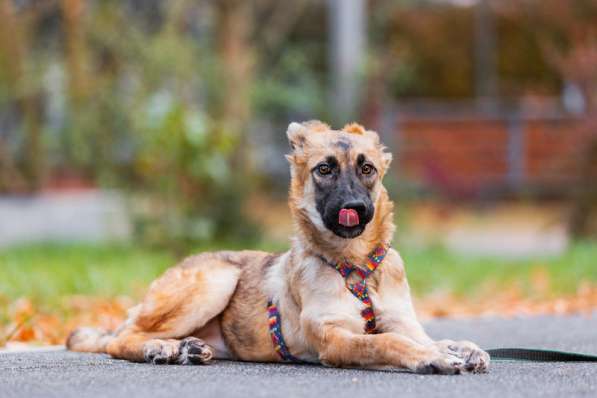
(46, 273)
(436, 269)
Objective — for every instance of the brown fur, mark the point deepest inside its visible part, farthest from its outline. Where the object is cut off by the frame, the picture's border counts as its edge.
(214, 304)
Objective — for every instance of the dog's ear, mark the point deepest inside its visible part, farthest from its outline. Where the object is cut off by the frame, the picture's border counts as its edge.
(354, 128)
(373, 136)
(386, 156)
(296, 134)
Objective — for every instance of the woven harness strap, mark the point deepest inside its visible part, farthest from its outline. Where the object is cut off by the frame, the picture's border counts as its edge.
(275, 331)
(358, 289)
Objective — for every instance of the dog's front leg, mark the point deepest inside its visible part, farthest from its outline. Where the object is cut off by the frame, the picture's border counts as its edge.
(475, 359)
(395, 314)
(398, 316)
(338, 346)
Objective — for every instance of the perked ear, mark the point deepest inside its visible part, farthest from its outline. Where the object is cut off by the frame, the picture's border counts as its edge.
(354, 128)
(296, 135)
(386, 156)
(373, 136)
(387, 159)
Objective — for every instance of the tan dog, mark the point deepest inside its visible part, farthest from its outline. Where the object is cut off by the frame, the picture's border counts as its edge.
(215, 304)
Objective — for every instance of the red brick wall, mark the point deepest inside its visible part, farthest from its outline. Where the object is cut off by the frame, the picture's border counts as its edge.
(552, 151)
(465, 156)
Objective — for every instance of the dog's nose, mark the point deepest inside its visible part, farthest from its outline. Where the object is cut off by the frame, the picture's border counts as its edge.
(358, 205)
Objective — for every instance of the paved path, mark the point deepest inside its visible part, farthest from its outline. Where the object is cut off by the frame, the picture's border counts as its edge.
(65, 374)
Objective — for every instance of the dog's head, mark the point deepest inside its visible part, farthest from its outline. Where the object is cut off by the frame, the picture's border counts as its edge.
(336, 176)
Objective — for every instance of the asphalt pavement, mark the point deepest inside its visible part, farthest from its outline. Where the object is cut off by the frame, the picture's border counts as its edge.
(65, 374)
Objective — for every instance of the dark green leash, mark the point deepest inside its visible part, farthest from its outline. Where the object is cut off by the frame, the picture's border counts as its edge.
(536, 355)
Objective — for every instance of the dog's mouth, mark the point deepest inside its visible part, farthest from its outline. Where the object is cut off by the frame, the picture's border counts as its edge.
(348, 223)
(348, 232)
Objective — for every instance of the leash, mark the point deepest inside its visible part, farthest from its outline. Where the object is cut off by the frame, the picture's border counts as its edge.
(538, 355)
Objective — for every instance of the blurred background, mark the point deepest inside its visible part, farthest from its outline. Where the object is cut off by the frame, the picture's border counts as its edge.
(134, 132)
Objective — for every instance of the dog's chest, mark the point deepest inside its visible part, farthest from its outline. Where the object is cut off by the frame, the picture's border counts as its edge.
(331, 296)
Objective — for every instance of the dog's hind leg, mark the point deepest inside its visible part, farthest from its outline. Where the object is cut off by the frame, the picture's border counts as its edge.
(86, 339)
(178, 304)
(89, 340)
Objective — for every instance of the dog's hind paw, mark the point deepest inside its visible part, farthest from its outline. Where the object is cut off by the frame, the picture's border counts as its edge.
(189, 351)
(160, 352)
(194, 351)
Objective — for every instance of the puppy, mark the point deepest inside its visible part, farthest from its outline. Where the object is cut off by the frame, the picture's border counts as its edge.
(338, 297)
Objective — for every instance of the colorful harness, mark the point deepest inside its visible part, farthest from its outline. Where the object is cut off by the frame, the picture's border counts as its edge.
(358, 289)
(275, 331)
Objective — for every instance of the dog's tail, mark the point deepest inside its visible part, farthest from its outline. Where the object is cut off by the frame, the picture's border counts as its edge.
(97, 340)
(89, 340)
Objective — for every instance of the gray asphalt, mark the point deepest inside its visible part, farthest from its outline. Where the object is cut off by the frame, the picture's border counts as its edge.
(65, 374)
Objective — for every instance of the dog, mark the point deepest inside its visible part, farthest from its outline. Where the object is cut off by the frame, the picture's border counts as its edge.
(338, 297)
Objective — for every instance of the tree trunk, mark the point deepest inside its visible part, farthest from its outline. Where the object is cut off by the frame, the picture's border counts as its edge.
(13, 47)
(584, 208)
(233, 33)
(77, 146)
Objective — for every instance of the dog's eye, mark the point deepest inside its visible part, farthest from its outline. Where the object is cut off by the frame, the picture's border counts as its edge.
(324, 169)
(367, 169)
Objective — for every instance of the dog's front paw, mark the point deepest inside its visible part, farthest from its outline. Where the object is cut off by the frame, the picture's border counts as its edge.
(441, 363)
(475, 359)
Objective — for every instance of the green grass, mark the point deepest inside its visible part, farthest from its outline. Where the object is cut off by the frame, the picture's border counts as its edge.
(45, 273)
(48, 272)
(435, 269)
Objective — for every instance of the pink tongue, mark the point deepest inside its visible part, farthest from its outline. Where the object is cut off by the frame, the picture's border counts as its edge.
(348, 217)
